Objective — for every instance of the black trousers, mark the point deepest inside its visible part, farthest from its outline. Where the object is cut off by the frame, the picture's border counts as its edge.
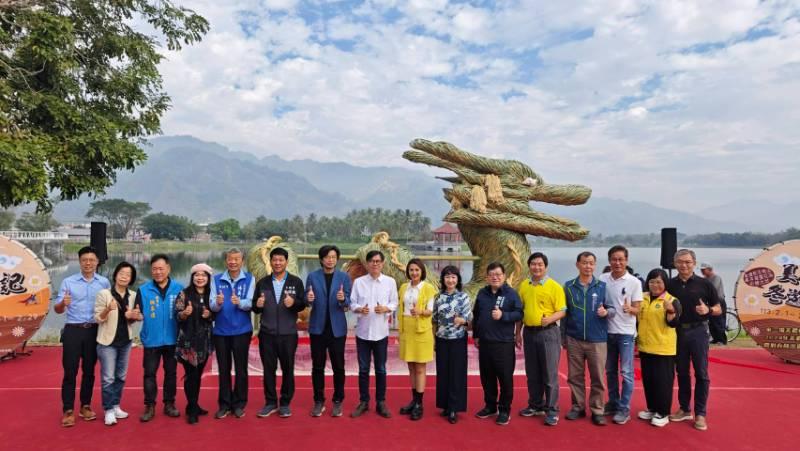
(232, 351)
(451, 374)
(151, 361)
(274, 349)
(658, 377)
(334, 348)
(79, 350)
(496, 362)
(375, 352)
(542, 354)
(191, 385)
(716, 325)
(693, 348)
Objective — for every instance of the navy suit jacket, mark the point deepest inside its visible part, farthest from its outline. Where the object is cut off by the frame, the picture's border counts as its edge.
(316, 321)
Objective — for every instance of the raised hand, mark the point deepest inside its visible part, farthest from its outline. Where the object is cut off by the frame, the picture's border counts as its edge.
(206, 312)
(626, 306)
(288, 301)
(67, 299)
(235, 298)
(260, 301)
(601, 311)
(340, 293)
(188, 310)
(497, 313)
(310, 296)
(701, 308)
(220, 297)
(669, 307)
(112, 305)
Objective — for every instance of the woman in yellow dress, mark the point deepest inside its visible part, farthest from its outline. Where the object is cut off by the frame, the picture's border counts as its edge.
(416, 331)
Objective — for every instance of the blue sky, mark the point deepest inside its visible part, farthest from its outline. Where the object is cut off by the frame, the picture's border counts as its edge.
(683, 104)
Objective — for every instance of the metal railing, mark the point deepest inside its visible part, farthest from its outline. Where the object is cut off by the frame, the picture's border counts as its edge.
(25, 235)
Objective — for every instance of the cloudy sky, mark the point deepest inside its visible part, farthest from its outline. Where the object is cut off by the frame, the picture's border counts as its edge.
(683, 104)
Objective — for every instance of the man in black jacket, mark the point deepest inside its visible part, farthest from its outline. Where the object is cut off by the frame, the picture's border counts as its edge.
(280, 297)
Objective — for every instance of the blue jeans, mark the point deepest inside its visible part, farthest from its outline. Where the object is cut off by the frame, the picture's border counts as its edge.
(376, 352)
(620, 356)
(113, 369)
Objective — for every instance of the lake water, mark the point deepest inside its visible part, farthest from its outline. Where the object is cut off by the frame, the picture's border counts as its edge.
(727, 263)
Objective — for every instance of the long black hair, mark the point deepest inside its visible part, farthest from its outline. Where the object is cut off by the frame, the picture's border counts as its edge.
(450, 269)
(656, 274)
(191, 290)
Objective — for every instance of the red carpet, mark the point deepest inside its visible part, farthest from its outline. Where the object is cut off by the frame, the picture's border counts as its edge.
(754, 402)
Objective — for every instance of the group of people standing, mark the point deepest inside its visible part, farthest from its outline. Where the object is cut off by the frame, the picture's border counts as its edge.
(601, 320)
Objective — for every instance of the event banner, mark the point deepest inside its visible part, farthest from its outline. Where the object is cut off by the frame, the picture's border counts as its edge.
(24, 294)
(768, 300)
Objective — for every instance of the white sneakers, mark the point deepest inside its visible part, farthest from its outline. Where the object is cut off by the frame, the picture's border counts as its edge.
(119, 413)
(645, 415)
(659, 420)
(110, 418)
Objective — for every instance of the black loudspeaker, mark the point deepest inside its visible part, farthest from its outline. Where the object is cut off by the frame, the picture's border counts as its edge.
(97, 240)
(669, 245)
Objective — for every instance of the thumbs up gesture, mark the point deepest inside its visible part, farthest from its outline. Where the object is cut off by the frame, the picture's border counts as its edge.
(220, 297)
(497, 313)
(669, 307)
(67, 299)
(626, 306)
(187, 312)
(601, 311)
(310, 296)
(701, 308)
(288, 301)
(235, 298)
(260, 300)
(340, 293)
(112, 305)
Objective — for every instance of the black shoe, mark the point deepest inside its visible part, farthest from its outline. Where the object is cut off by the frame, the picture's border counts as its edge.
(598, 420)
(452, 417)
(503, 418)
(238, 412)
(201, 411)
(171, 411)
(416, 412)
(486, 412)
(445, 412)
(382, 410)
(222, 413)
(574, 414)
(362, 407)
(191, 419)
(406, 409)
(149, 413)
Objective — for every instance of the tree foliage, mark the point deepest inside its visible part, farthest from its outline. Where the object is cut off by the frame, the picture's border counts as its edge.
(37, 222)
(226, 230)
(6, 219)
(168, 227)
(79, 90)
(119, 213)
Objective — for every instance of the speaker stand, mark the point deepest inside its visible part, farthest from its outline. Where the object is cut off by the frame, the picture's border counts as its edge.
(14, 354)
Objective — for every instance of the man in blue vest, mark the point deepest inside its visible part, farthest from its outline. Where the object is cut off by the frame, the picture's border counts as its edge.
(329, 297)
(232, 331)
(156, 300)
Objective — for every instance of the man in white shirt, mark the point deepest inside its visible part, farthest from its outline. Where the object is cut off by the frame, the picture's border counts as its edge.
(624, 294)
(373, 299)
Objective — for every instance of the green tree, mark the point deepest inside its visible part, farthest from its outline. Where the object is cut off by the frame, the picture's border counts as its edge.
(119, 213)
(226, 230)
(7, 219)
(79, 90)
(37, 222)
(168, 227)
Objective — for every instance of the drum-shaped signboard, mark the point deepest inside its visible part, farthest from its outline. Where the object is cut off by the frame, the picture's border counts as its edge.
(768, 300)
(24, 294)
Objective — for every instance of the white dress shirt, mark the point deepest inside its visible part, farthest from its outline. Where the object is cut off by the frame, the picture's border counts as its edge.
(371, 292)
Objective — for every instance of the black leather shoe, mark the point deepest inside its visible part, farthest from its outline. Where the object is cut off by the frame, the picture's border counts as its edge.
(383, 410)
(416, 412)
(149, 413)
(201, 411)
(362, 407)
(191, 419)
(171, 411)
(599, 420)
(445, 413)
(452, 417)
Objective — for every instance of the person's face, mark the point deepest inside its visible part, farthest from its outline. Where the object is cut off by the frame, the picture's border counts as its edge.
(656, 286)
(618, 262)
(450, 281)
(685, 265)
(124, 277)
(586, 266)
(159, 270)
(278, 263)
(88, 263)
(234, 262)
(538, 268)
(375, 265)
(329, 261)
(200, 279)
(707, 272)
(496, 278)
(415, 273)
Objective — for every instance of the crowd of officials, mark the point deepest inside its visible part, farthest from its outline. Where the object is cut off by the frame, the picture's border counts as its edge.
(599, 320)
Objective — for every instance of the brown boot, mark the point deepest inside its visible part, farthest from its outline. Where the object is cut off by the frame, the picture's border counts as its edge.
(68, 419)
(87, 413)
(149, 413)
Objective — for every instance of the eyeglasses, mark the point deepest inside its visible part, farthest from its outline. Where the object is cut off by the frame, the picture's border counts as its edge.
(375, 261)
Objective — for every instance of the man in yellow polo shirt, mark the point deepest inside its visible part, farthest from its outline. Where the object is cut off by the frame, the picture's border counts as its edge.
(543, 304)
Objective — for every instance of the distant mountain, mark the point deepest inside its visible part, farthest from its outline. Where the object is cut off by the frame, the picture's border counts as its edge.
(208, 182)
(759, 216)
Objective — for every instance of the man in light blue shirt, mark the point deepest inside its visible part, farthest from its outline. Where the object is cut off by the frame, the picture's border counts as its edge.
(76, 297)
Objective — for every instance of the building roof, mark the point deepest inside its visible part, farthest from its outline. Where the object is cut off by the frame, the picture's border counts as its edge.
(446, 228)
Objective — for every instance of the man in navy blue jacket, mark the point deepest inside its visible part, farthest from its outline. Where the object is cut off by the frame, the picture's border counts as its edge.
(497, 309)
(329, 297)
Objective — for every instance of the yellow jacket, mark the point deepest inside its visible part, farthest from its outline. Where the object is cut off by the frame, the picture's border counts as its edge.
(107, 329)
(656, 335)
(426, 293)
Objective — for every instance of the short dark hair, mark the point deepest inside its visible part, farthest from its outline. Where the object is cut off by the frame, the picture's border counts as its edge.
(158, 257)
(418, 262)
(495, 265)
(279, 251)
(617, 248)
(87, 250)
(447, 270)
(656, 274)
(373, 253)
(536, 255)
(121, 265)
(326, 249)
(585, 254)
